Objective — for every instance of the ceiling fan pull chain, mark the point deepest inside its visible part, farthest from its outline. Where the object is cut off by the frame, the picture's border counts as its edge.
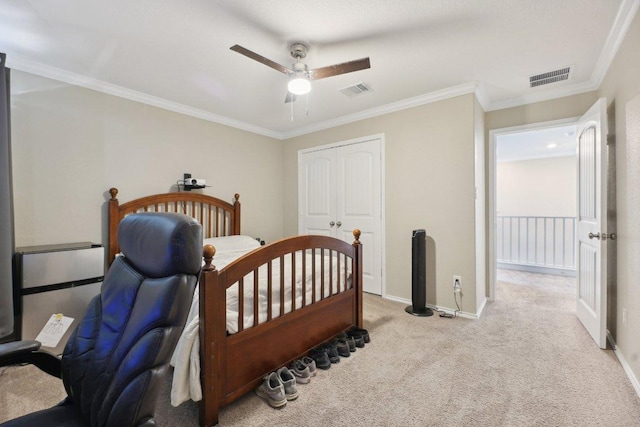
(291, 103)
(307, 100)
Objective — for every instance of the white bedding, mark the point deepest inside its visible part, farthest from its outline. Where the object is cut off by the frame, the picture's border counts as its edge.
(186, 358)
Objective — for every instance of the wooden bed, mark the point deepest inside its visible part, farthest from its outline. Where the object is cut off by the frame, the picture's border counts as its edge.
(232, 365)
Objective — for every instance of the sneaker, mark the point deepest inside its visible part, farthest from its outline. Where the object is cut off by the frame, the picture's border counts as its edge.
(363, 332)
(342, 346)
(332, 352)
(272, 390)
(350, 340)
(311, 364)
(360, 336)
(319, 355)
(301, 372)
(289, 383)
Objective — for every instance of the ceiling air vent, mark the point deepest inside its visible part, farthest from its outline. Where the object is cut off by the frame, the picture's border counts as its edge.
(550, 77)
(356, 89)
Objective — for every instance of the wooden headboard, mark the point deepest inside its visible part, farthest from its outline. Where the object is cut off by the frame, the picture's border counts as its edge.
(218, 218)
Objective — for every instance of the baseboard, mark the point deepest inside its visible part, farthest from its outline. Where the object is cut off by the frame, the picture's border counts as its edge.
(624, 364)
(439, 308)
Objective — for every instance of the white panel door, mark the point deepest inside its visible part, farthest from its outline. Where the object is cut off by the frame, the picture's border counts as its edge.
(316, 192)
(339, 190)
(359, 205)
(591, 293)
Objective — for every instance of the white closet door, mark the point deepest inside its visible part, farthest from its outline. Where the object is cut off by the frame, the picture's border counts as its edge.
(316, 192)
(339, 190)
(359, 205)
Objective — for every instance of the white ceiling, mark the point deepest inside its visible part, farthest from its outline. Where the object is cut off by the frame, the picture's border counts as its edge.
(175, 53)
(557, 141)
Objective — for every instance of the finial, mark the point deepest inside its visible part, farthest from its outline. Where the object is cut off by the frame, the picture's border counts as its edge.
(207, 253)
(114, 193)
(356, 234)
(236, 197)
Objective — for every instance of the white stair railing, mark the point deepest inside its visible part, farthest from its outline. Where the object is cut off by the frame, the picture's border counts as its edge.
(543, 242)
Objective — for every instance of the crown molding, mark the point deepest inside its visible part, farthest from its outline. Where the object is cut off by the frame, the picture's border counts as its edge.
(20, 63)
(428, 98)
(621, 24)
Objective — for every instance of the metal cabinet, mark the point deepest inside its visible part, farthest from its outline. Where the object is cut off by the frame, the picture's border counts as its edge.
(55, 279)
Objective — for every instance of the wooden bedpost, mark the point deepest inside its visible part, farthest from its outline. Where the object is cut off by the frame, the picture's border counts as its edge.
(236, 208)
(358, 277)
(114, 220)
(211, 337)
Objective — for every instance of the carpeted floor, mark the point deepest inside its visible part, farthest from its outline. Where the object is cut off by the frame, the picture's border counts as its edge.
(526, 362)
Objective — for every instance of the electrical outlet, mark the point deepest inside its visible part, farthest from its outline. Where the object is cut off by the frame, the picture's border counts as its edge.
(624, 316)
(457, 283)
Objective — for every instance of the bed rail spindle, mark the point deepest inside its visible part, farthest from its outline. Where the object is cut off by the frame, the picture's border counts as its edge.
(269, 289)
(256, 297)
(282, 285)
(293, 281)
(304, 278)
(313, 275)
(331, 272)
(209, 228)
(322, 271)
(224, 224)
(241, 304)
(338, 273)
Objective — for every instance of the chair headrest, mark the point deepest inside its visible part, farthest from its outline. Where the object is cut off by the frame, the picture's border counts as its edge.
(161, 244)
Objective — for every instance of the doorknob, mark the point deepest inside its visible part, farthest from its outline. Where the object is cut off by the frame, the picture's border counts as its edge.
(339, 224)
(332, 223)
(612, 236)
(595, 236)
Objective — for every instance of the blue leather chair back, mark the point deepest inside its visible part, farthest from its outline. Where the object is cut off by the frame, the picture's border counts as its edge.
(114, 363)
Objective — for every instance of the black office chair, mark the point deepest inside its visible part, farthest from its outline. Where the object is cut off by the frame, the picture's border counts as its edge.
(114, 362)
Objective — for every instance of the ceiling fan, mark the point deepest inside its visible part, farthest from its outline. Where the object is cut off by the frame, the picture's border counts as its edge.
(301, 76)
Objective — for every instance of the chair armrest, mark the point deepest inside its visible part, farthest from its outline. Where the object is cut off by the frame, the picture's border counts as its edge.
(20, 352)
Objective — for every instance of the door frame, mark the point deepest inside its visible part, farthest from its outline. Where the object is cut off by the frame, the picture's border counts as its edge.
(383, 249)
(492, 161)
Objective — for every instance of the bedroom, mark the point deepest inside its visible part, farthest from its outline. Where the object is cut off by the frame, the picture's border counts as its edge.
(70, 144)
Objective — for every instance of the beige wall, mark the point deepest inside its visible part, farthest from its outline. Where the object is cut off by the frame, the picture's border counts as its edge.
(70, 145)
(537, 187)
(429, 184)
(621, 87)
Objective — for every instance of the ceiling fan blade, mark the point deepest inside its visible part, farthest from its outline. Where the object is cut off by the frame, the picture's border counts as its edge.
(291, 97)
(343, 68)
(269, 63)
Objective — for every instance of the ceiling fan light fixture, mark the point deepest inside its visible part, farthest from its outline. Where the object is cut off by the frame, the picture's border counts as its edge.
(299, 85)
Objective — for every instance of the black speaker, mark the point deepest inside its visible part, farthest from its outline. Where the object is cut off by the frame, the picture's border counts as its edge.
(419, 275)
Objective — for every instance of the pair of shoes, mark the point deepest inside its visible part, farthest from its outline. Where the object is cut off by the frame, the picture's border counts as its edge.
(320, 357)
(350, 341)
(301, 371)
(278, 387)
(342, 345)
(361, 336)
(311, 364)
(332, 352)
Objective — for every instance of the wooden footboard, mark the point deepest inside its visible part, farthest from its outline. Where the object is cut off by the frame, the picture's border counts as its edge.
(234, 364)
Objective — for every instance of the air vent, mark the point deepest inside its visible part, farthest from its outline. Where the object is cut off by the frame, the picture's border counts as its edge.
(550, 77)
(356, 89)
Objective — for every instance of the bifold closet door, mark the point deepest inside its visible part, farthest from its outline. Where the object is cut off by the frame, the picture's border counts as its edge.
(340, 189)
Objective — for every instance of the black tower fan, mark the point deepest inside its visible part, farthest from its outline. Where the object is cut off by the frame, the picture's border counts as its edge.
(419, 275)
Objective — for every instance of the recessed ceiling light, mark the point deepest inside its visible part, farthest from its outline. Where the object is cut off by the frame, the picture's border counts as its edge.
(552, 145)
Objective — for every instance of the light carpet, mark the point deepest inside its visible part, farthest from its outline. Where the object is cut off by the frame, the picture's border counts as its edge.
(526, 362)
